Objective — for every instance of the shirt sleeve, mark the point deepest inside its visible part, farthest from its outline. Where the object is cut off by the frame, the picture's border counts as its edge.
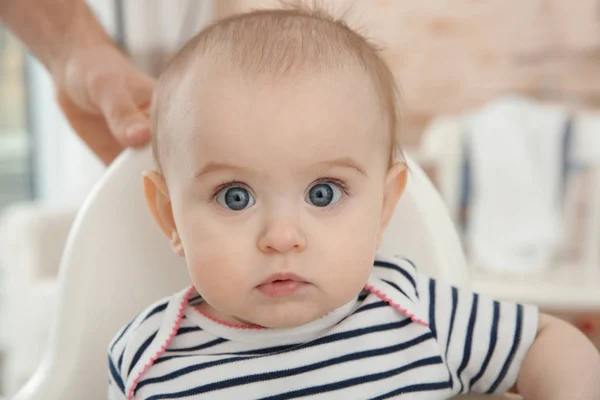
(483, 341)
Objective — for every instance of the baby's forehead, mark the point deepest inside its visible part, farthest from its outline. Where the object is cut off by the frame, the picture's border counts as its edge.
(329, 98)
(294, 121)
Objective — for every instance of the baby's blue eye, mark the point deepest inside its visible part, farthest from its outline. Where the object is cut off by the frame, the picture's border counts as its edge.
(324, 194)
(235, 198)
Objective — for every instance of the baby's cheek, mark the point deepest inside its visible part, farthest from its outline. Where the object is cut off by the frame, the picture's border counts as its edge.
(357, 233)
(215, 260)
(211, 271)
(349, 257)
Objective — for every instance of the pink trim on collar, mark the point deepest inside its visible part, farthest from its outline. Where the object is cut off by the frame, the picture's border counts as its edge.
(228, 324)
(398, 307)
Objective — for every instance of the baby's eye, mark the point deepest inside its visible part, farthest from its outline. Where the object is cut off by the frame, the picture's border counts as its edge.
(324, 194)
(235, 198)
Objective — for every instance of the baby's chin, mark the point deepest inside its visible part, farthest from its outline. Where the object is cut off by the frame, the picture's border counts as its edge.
(288, 316)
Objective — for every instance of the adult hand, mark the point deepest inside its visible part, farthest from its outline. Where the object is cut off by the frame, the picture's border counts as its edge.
(105, 98)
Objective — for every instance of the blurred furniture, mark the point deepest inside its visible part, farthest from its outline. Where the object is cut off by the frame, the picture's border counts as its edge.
(31, 241)
(14, 168)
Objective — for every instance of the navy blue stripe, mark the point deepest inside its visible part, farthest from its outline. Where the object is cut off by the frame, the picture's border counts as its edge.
(419, 387)
(452, 318)
(370, 306)
(415, 271)
(493, 341)
(140, 351)
(468, 342)
(366, 379)
(432, 324)
(115, 375)
(263, 351)
(397, 268)
(395, 287)
(187, 370)
(194, 298)
(157, 309)
(361, 355)
(123, 332)
(324, 340)
(120, 362)
(351, 334)
(257, 352)
(198, 347)
(163, 358)
(187, 329)
(411, 263)
(513, 351)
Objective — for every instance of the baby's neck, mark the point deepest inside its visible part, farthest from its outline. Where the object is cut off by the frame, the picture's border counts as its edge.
(224, 319)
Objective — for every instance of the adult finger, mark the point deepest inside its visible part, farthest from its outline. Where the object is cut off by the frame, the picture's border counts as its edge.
(92, 129)
(125, 119)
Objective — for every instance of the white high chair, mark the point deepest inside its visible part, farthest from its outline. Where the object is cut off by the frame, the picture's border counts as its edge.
(117, 262)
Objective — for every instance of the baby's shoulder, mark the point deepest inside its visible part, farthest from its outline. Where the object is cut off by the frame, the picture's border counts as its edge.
(149, 318)
(399, 272)
(137, 335)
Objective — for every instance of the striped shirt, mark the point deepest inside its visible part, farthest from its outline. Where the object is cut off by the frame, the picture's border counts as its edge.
(405, 336)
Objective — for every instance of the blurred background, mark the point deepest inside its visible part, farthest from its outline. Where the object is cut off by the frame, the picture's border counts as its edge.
(500, 106)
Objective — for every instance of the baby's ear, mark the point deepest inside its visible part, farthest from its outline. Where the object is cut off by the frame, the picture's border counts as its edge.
(395, 182)
(159, 203)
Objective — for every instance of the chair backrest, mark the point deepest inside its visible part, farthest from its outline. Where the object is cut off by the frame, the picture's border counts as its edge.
(116, 263)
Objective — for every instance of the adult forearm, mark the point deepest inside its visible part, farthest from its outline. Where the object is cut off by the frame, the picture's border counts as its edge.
(52, 29)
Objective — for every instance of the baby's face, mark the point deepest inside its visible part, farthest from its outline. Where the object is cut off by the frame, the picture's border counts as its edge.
(277, 192)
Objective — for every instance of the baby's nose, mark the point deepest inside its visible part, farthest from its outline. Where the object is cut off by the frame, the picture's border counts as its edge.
(282, 235)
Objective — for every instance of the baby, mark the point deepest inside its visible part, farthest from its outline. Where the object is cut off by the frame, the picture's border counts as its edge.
(274, 136)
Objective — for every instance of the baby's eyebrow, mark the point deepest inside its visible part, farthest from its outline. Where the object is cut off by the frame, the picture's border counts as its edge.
(347, 162)
(216, 166)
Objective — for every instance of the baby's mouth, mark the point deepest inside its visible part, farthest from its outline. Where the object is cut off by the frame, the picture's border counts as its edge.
(281, 285)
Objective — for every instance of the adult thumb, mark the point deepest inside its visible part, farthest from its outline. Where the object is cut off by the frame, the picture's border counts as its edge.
(127, 122)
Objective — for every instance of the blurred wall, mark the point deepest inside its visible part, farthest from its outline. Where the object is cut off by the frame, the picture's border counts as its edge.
(449, 55)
